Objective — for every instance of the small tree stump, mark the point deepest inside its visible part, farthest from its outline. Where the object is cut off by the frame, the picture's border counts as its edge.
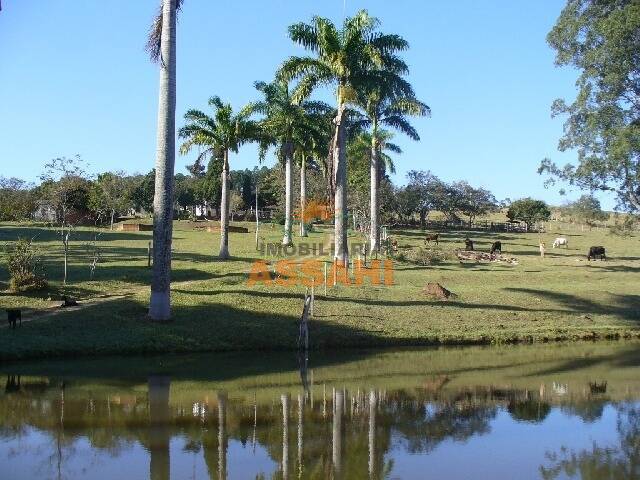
(438, 291)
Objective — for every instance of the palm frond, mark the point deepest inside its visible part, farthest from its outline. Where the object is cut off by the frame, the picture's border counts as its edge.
(305, 35)
(154, 38)
(392, 147)
(401, 124)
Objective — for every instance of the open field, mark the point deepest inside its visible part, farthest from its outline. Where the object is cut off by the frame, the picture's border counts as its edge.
(562, 297)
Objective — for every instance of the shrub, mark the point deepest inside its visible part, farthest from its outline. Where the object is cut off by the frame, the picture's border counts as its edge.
(25, 268)
(278, 217)
(428, 256)
(625, 227)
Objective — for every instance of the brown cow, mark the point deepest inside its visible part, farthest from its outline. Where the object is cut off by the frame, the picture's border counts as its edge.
(431, 238)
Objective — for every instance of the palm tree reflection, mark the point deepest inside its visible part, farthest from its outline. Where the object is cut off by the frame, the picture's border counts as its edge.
(159, 427)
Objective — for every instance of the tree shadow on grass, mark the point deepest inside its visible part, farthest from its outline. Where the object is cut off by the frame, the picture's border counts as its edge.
(49, 234)
(370, 301)
(623, 306)
(120, 327)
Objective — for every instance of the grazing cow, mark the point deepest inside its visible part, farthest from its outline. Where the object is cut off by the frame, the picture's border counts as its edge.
(496, 247)
(433, 237)
(468, 244)
(13, 315)
(542, 249)
(595, 252)
(561, 241)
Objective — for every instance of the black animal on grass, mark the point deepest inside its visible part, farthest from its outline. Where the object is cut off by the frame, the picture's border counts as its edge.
(468, 244)
(496, 247)
(595, 252)
(14, 315)
(68, 302)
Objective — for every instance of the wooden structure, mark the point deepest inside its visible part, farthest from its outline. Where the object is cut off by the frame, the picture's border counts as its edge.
(135, 227)
(232, 229)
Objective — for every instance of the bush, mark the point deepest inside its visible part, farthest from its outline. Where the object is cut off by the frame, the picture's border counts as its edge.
(625, 227)
(25, 268)
(427, 256)
(278, 217)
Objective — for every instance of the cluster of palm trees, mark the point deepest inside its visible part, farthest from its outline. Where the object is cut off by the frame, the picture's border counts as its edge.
(372, 95)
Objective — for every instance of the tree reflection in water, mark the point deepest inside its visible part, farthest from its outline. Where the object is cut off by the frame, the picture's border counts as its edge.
(269, 426)
(159, 428)
(618, 462)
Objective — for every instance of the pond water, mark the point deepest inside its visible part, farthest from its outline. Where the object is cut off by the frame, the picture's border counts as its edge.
(525, 412)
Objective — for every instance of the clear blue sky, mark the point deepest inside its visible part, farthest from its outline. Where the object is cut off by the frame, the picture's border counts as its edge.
(74, 79)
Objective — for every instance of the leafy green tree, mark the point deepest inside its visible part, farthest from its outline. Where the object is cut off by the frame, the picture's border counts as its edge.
(247, 190)
(600, 39)
(407, 202)
(587, 210)
(143, 191)
(529, 211)
(218, 135)
(17, 199)
(474, 201)
(425, 185)
(108, 195)
(351, 58)
(210, 188)
(185, 191)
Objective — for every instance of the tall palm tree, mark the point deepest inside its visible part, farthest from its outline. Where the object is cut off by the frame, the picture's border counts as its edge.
(218, 135)
(360, 147)
(162, 48)
(359, 152)
(384, 106)
(289, 124)
(349, 58)
(312, 154)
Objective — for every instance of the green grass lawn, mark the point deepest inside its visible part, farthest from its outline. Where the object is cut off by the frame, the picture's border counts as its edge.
(561, 297)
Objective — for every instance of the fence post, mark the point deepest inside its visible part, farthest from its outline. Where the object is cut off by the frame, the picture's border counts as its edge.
(149, 250)
(313, 296)
(325, 279)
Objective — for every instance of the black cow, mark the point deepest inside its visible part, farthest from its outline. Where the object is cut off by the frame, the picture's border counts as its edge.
(468, 244)
(13, 315)
(68, 302)
(496, 247)
(595, 252)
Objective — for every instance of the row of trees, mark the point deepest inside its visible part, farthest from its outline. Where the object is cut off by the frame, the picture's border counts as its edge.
(103, 198)
(368, 75)
(360, 62)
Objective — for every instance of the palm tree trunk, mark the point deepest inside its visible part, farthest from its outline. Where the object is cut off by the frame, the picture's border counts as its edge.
(160, 303)
(288, 208)
(303, 197)
(373, 234)
(224, 209)
(340, 201)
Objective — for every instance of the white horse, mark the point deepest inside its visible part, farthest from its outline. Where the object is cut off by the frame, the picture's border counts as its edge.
(561, 241)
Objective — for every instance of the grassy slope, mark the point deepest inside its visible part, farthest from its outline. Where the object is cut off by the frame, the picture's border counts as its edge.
(560, 297)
